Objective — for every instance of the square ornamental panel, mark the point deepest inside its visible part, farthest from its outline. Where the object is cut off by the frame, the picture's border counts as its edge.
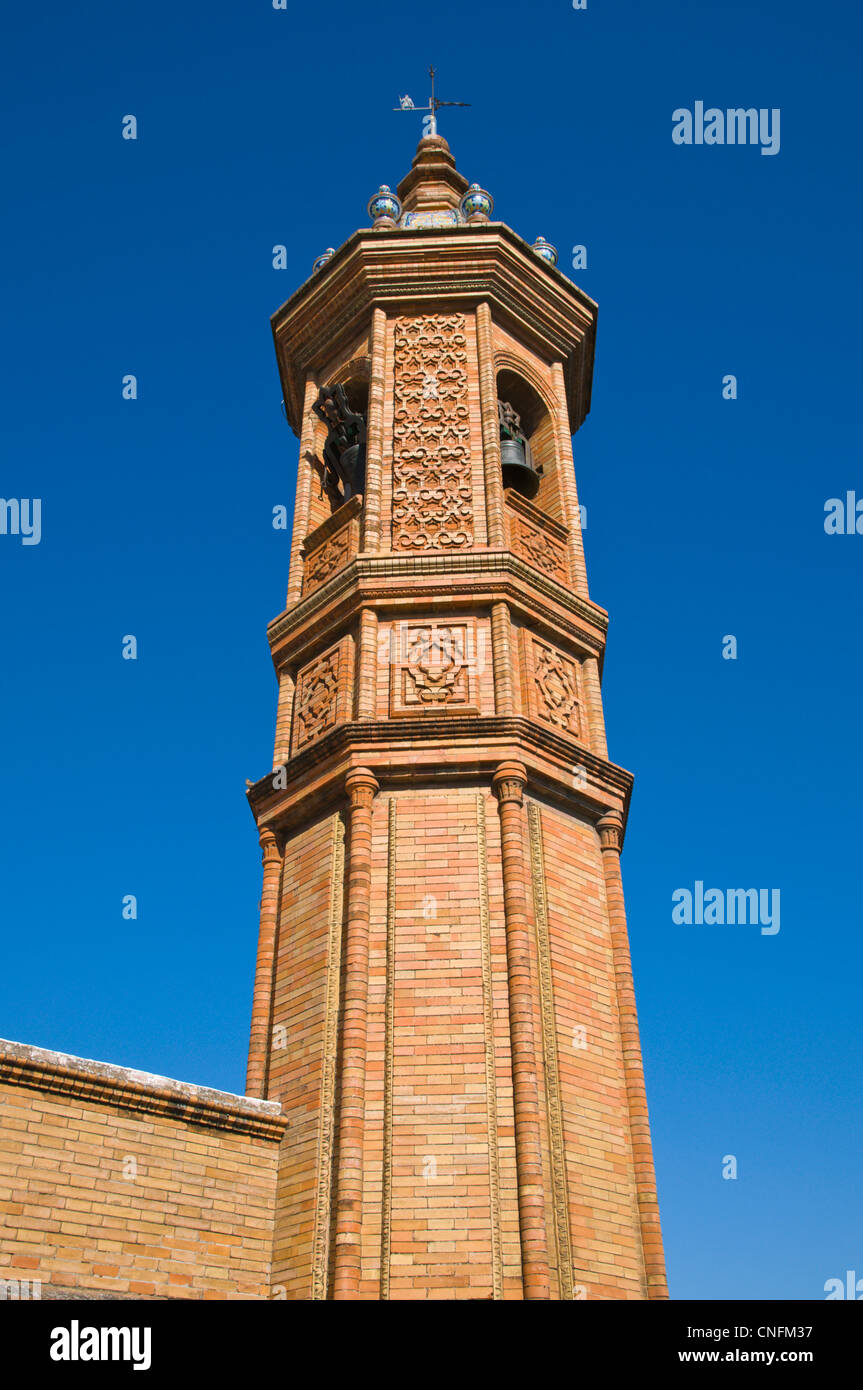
(551, 685)
(323, 694)
(434, 667)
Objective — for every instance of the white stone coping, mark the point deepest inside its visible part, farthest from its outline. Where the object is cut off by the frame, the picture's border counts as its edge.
(39, 1068)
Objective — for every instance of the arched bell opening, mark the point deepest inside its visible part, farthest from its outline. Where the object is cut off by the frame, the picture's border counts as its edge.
(527, 452)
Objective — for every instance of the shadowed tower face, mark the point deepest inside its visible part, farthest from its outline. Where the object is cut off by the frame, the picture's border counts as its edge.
(443, 997)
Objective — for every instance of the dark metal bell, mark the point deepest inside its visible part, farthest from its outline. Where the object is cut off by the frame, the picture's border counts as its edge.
(517, 472)
(353, 462)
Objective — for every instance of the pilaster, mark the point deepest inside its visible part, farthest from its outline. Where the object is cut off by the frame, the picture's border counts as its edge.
(610, 831)
(361, 786)
(509, 782)
(262, 998)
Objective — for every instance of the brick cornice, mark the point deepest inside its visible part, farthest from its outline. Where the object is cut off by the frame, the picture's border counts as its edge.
(461, 265)
(494, 573)
(78, 1078)
(394, 750)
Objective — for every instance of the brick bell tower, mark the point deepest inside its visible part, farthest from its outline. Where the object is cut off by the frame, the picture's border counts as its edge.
(443, 998)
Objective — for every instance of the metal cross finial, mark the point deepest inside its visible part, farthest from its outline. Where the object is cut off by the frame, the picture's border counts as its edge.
(405, 104)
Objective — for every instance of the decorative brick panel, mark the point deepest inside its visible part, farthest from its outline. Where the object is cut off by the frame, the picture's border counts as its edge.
(537, 538)
(432, 489)
(323, 695)
(332, 545)
(552, 685)
(434, 667)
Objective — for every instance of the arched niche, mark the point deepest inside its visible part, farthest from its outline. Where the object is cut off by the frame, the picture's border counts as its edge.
(537, 425)
(353, 377)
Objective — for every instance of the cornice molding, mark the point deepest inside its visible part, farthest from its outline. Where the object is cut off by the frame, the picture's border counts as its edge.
(460, 265)
(389, 748)
(462, 576)
(101, 1083)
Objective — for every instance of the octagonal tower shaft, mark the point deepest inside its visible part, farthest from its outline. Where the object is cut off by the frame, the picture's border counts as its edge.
(443, 997)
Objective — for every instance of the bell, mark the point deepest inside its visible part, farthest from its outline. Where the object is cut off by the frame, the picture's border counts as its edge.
(516, 470)
(353, 462)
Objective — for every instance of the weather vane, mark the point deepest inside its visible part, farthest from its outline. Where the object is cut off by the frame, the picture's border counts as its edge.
(405, 104)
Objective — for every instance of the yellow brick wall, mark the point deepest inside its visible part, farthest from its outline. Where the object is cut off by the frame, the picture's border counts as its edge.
(297, 1051)
(97, 1197)
(606, 1241)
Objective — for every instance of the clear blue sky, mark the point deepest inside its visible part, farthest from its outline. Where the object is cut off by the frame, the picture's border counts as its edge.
(705, 518)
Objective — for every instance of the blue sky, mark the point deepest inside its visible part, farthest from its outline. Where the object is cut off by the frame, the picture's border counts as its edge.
(705, 518)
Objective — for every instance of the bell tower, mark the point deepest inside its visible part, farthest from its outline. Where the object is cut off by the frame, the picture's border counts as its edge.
(443, 998)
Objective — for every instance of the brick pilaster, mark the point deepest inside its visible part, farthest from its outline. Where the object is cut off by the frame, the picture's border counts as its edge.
(595, 718)
(375, 434)
(567, 473)
(504, 669)
(284, 711)
(367, 659)
(610, 829)
(305, 470)
(509, 782)
(361, 786)
(496, 527)
(259, 1044)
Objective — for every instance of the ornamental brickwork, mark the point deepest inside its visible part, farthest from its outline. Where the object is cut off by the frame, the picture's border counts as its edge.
(432, 497)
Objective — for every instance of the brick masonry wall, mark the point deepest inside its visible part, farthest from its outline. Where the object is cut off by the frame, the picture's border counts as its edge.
(103, 1190)
(604, 1225)
(440, 1213)
(440, 1209)
(302, 1057)
(548, 497)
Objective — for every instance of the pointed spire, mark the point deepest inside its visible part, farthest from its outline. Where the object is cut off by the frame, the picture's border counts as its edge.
(433, 184)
